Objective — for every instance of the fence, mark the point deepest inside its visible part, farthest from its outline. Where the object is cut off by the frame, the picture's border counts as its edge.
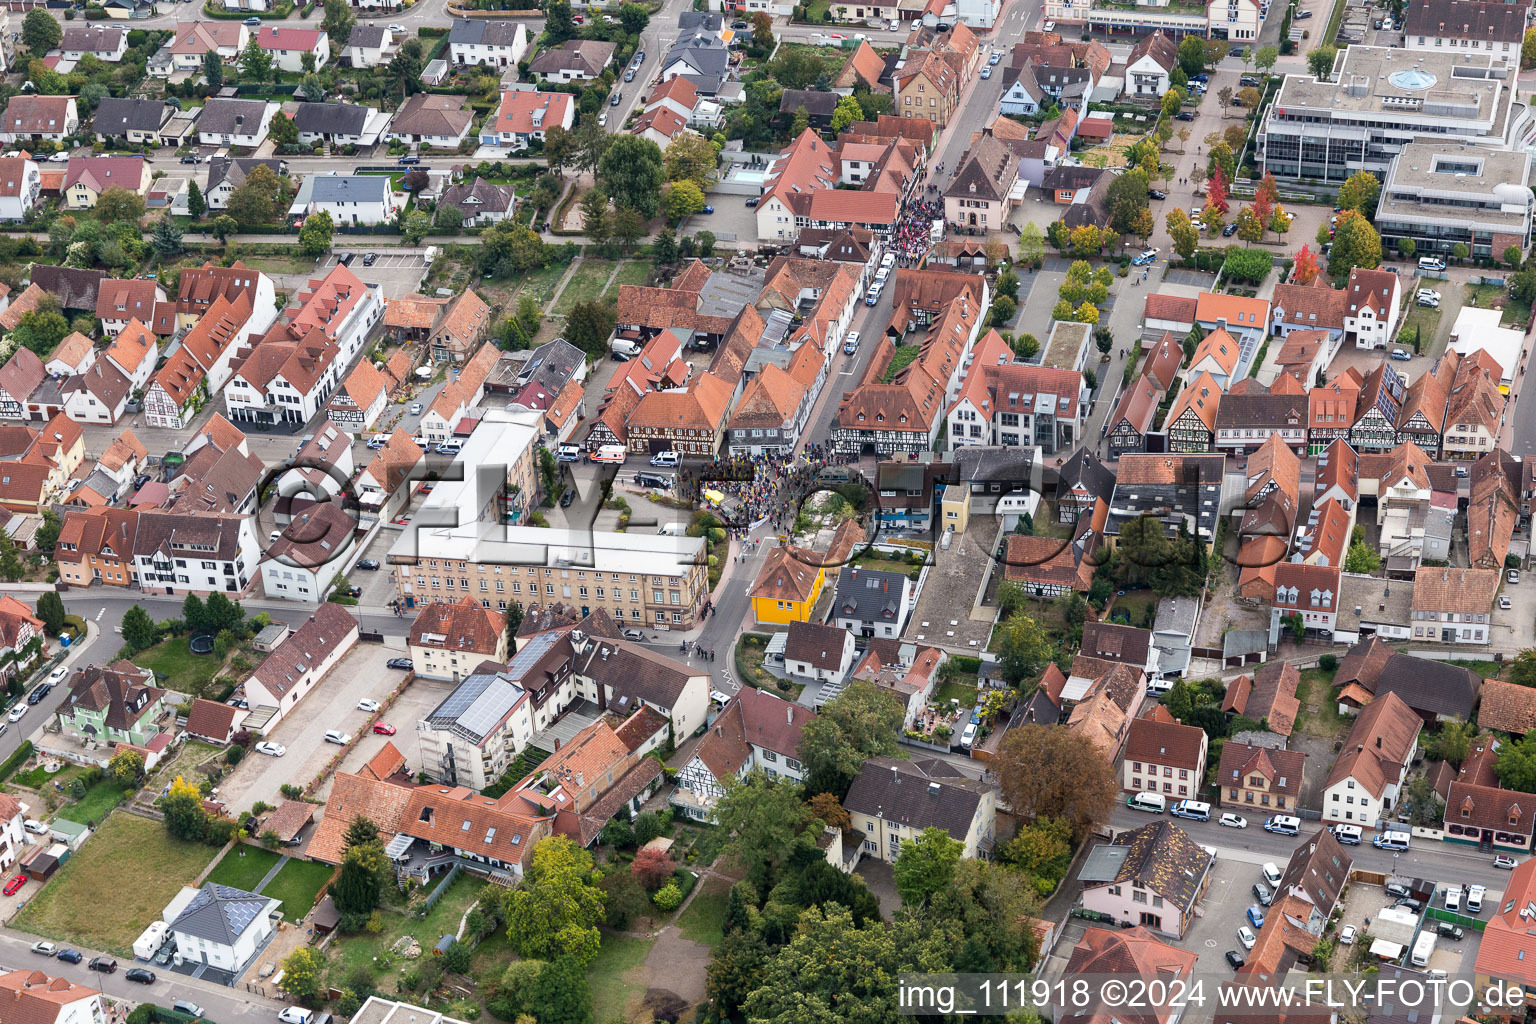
(437, 894)
(1438, 914)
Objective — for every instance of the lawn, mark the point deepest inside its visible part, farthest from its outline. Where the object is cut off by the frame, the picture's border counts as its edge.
(364, 949)
(299, 882)
(1046, 524)
(94, 806)
(1423, 322)
(491, 959)
(1316, 690)
(540, 284)
(618, 955)
(586, 284)
(962, 689)
(904, 356)
(280, 265)
(244, 867)
(131, 862)
(704, 920)
(37, 778)
(630, 272)
(889, 565)
(177, 667)
(1488, 296)
(1134, 603)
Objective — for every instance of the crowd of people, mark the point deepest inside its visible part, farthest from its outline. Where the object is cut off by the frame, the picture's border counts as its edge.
(911, 240)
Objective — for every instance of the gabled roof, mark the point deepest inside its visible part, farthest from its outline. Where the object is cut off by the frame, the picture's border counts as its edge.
(382, 803)
(1507, 707)
(1200, 397)
(1377, 746)
(1240, 762)
(1162, 50)
(785, 577)
(1236, 311)
(1160, 739)
(1446, 589)
(283, 37)
(522, 111)
(1219, 347)
(819, 646)
(429, 114)
(198, 37)
(1370, 289)
(901, 791)
(1269, 695)
(1177, 308)
(1160, 857)
(117, 116)
(223, 116)
(1317, 305)
(35, 115)
(1162, 363)
(464, 626)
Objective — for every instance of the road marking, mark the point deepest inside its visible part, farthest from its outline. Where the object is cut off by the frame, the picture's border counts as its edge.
(101, 613)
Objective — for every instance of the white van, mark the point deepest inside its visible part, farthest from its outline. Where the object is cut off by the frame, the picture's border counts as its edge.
(1349, 835)
(609, 453)
(1159, 686)
(569, 453)
(1397, 842)
(1453, 898)
(1152, 802)
(1431, 263)
(1423, 949)
(872, 296)
(1192, 809)
(667, 458)
(671, 530)
(1284, 824)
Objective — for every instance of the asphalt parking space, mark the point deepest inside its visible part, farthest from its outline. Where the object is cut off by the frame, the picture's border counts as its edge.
(1227, 898)
(396, 274)
(330, 705)
(415, 703)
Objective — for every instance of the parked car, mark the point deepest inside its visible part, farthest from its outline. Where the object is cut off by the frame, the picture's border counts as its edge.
(189, 159)
(1410, 903)
(1235, 958)
(142, 975)
(253, 21)
(1397, 889)
(1229, 230)
(709, 209)
(409, 158)
(271, 749)
(633, 634)
(104, 964)
(1450, 931)
(629, 76)
(1201, 78)
(36, 827)
(754, 201)
(350, 591)
(70, 956)
(1256, 916)
(1505, 604)
(45, 947)
(1184, 115)
(1347, 935)
(1156, 193)
(294, 1015)
(1271, 873)
(337, 737)
(415, 409)
(567, 498)
(16, 713)
(370, 259)
(1505, 861)
(369, 564)
(368, 704)
(1233, 821)
(404, 663)
(1262, 894)
(187, 1006)
(1475, 894)
(1246, 937)
(375, 443)
(383, 729)
(1513, 576)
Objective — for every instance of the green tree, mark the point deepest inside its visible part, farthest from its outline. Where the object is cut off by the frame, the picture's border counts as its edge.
(1528, 49)
(196, 204)
(859, 723)
(1040, 846)
(223, 226)
(1454, 742)
(1512, 256)
(303, 970)
(119, 204)
(282, 130)
(415, 225)
(1003, 309)
(595, 222)
(359, 831)
(41, 329)
(1516, 766)
(589, 324)
(559, 147)
(630, 173)
(801, 123)
(259, 199)
(185, 818)
(1359, 193)
(1362, 559)
(255, 63)
(315, 235)
(1266, 58)
(126, 767)
(194, 615)
(406, 65)
(1191, 55)
(360, 885)
(664, 248)
(634, 17)
(1057, 773)
(1031, 243)
(50, 608)
(926, 865)
(1185, 238)
(846, 113)
(1180, 701)
(684, 199)
(556, 909)
(1320, 61)
(562, 993)
(1023, 649)
(1521, 670)
(592, 141)
(691, 157)
(1406, 248)
(40, 31)
(558, 23)
(213, 70)
(629, 227)
(1355, 244)
(138, 629)
(1460, 251)
(338, 21)
(765, 821)
(1249, 227)
(447, 219)
(1127, 197)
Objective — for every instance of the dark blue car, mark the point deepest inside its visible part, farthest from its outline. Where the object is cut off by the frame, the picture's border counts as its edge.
(70, 956)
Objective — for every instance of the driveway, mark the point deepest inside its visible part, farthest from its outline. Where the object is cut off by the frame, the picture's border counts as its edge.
(331, 705)
(415, 703)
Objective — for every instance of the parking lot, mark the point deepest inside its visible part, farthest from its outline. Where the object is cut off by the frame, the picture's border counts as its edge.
(1363, 903)
(396, 274)
(414, 704)
(331, 705)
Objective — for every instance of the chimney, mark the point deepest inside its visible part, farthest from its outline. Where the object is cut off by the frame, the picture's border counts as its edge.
(557, 746)
(895, 774)
(1378, 742)
(933, 789)
(789, 714)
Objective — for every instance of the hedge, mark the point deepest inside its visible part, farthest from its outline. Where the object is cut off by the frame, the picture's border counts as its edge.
(16, 760)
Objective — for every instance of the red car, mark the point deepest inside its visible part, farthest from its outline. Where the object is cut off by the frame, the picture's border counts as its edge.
(14, 885)
(383, 728)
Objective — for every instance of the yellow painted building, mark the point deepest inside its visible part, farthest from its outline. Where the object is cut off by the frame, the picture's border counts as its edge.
(788, 586)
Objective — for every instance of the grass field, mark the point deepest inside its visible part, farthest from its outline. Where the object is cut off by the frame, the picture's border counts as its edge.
(362, 949)
(586, 284)
(1423, 322)
(630, 272)
(1134, 603)
(280, 265)
(618, 955)
(1316, 690)
(244, 867)
(1487, 296)
(704, 920)
(962, 689)
(93, 807)
(185, 672)
(540, 284)
(299, 882)
(37, 778)
(131, 861)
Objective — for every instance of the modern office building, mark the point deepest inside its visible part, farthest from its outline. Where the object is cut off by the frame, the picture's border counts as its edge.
(1440, 195)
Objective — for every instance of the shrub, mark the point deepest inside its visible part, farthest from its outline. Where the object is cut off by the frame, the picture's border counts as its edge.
(233, 755)
(1328, 662)
(668, 897)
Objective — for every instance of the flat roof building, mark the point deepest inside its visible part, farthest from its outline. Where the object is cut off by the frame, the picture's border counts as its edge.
(1439, 194)
(1379, 100)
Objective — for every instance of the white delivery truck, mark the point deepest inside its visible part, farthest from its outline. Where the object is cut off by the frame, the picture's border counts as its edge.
(623, 348)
